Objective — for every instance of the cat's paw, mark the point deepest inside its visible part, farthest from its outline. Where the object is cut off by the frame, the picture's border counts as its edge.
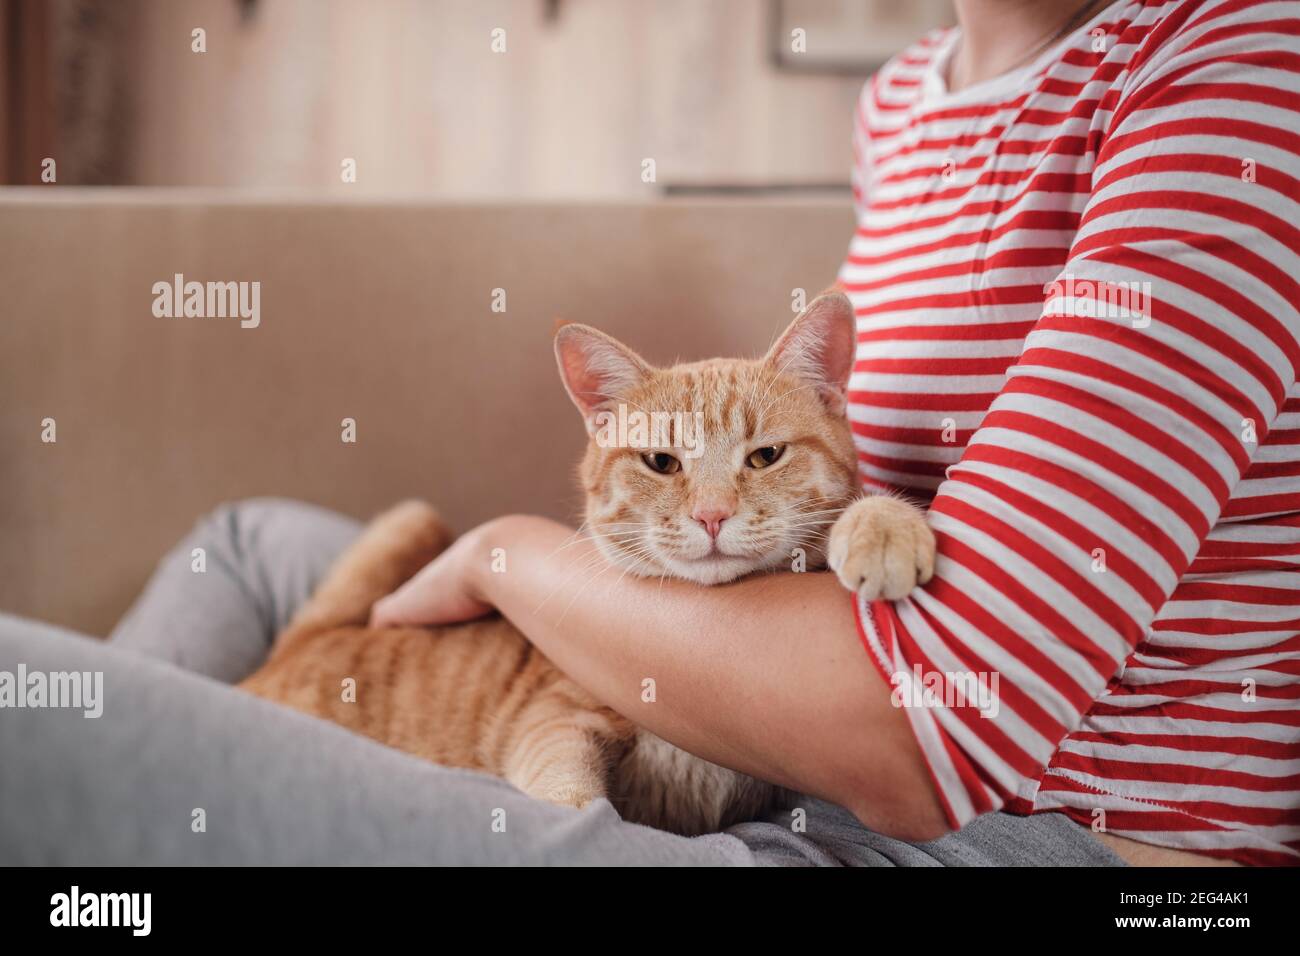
(881, 547)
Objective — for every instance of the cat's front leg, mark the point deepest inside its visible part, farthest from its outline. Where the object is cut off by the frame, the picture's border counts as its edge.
(881, 547)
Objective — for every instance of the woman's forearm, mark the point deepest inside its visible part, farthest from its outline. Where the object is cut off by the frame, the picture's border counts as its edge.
(765, 675)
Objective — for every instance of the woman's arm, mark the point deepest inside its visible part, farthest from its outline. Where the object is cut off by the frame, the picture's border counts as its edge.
(766, 675)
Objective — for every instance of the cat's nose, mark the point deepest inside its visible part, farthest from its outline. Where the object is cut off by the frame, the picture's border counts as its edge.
(711, 519)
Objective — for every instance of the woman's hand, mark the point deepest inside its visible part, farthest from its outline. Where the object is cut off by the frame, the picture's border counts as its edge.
(447, 590)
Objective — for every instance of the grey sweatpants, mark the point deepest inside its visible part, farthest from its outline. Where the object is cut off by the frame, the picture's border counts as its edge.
(181, 768)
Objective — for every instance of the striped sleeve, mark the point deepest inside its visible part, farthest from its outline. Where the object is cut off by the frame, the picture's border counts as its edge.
(1163, 353)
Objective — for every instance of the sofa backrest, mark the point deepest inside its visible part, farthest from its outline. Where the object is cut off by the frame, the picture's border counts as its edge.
(382, 313)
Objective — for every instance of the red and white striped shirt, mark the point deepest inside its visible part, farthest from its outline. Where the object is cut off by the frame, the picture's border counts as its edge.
(1077, 293)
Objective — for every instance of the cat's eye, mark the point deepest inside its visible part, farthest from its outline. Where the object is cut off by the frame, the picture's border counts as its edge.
(767, 455)
(662, 462)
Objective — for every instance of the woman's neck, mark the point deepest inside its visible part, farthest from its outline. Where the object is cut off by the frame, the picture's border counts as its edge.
(1000, 35)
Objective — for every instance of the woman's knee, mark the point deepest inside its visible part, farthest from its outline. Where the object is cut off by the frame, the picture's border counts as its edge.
(278, 529)
(216, 601)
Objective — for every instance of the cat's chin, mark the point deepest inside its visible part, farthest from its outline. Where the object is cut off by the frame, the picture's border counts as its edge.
(715, 569)
(711, 569)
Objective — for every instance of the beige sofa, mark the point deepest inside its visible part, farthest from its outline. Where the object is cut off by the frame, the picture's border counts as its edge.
(377, 312)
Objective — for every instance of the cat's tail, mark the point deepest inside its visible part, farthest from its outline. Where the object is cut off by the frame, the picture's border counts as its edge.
(390, 550)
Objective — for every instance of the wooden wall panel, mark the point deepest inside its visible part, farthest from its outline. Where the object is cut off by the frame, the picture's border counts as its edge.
(412, 90)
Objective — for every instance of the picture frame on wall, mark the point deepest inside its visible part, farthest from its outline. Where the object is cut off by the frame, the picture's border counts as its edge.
(849, 37)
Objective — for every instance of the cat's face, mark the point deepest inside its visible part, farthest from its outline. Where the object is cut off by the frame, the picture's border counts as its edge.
(713, 470)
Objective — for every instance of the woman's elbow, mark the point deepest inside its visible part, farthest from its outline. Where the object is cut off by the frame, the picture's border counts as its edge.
(913, 815)
(890, 789)
(904, 807)
(918, 823)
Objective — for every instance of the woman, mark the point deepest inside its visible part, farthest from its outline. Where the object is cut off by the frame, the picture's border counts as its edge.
(1117, 531)
(1137, 172)
(1079, 339)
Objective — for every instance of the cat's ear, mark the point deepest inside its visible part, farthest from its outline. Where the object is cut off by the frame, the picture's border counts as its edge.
(819, 347)
(597, 369)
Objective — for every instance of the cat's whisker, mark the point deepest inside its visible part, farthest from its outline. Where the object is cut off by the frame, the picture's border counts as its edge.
(595, 572)
(576, 538)
(622, 544)
(817, 499)
(798, 522)
(587, 584)
(628, 528)
(798, 355)
(626, 570)
(623, 535)
(588, 562)
(776, 398)
(568, 607)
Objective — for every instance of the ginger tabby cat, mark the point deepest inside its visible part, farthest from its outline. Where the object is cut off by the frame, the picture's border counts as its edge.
(748, 484)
